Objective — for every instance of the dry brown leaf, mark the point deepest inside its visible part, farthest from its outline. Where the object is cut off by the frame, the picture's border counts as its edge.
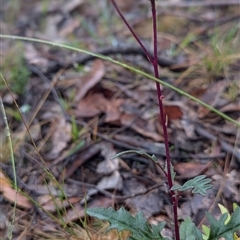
(190, 169)
(90, 80)
(4, 181)
(211, 97)
(172, 112)
(69, 27)
(34, 57)
(96, 103)
(113, 113)
(91, 105)
(79, 212)
(143, 127)
(60, 137)
(231, 107)
(11, 194)
(52, 205)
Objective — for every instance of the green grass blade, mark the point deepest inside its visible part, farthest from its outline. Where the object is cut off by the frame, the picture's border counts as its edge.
(127, 67)
(13, 166)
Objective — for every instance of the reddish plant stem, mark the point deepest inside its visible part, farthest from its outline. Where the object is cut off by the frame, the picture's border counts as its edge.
(131, 30)
(163, 120)
(160, 101)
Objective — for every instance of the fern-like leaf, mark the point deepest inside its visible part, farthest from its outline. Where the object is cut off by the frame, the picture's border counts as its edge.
(219, 229)
(123, 220)
(199, 184)
(188, 230)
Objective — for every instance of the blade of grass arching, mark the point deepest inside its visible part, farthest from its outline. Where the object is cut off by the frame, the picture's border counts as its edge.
(226, 117)
(13, 165)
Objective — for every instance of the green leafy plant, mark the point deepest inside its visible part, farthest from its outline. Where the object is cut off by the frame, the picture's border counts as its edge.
(199, 184)
(123, 220)
(225, 226)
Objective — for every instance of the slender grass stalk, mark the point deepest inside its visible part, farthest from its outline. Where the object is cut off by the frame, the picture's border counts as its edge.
(124, 65)
(13, 166)
(154, 62)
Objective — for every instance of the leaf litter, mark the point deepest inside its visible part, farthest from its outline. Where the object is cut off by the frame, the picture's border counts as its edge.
(115, 110)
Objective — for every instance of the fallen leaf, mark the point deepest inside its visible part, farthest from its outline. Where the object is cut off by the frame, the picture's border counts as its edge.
(231, 190)
(211, 97)
(92, 105)
(143, 127)
(11, 194)
(231, 107)
(60, 137)
(35, 58)
(79, 212)
(172, 112)
(190, 169)
(95, 103)
(90, 80)
(4, 181)
(108, 165)
(150, 204)
(52, 204)
(114, 181)
(69, 27)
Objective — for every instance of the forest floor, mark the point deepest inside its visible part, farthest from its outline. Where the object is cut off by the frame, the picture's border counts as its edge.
(69, 113)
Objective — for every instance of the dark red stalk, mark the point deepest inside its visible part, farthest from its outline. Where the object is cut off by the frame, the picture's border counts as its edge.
(163, 120)
(133, 33)
(154, 62)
